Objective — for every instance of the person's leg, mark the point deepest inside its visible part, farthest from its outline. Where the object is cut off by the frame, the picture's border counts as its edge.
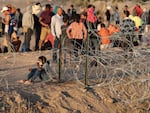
(80, 44)
(44, 76)
(37, 35)
(35, 75)
(8, 41)
(28, 39)
(30, 75)
(75, 43)
(44, 32)
(91, 46)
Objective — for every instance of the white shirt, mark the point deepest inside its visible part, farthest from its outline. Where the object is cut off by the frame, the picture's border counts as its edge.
(56, 23)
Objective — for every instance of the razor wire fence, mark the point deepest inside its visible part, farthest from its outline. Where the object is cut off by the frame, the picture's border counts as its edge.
(8, 61)
(124, 70)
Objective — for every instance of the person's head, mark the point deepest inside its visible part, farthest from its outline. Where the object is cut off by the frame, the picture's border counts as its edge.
(47, 7)
(9, 6)
(77, 18)
(18, 9)
(38, 3)
(116, 7)
(89, 6)
(68, 11)
(29, 9)
(59, 11)
(5, 10)
(126, 7)
(126, 13)
(108, 7)
(71, 6)
(83, 15)
(13, 10)
(102, 25)
(65, 18)
(42, 60)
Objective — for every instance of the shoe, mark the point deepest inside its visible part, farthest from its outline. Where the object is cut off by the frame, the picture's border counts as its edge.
(21, 81)
(28, 50)
(27, 82)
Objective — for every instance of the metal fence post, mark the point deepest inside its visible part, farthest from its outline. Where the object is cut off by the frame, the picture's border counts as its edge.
(60, 60)
(86, 61)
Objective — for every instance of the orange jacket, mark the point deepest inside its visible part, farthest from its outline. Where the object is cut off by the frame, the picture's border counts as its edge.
(104, 33)
(113, 29)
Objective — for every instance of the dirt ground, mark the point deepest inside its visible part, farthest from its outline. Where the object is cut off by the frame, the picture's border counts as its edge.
(129, 94)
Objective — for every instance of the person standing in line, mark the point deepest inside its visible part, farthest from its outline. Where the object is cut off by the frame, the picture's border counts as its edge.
(36, 11)
(28, 24)
(56, 23)
(108, 15)
(6, 21)
(45, 21)
(18, 17)
(116, 15)
(78, 33)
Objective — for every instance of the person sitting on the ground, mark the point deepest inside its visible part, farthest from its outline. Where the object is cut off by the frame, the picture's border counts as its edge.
(104, 33)
(15, 41)
(48, 43)
(42, 71)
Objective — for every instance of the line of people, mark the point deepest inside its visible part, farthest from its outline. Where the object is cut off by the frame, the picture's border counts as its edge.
(47, 26)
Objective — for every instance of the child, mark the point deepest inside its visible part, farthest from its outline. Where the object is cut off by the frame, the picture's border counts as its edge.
(48, 43)
(15, 40)
(42, 71)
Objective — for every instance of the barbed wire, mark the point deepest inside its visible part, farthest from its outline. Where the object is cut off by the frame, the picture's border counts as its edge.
(9, 60)
(123, 72)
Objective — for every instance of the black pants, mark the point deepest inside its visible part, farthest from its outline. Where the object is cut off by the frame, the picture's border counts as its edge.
(56, 46)
(78, 44)
(37, 35)
(27, 38)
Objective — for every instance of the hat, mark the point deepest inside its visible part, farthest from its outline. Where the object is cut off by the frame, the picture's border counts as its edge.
(4, 9)
(108, 7)
(36, 9)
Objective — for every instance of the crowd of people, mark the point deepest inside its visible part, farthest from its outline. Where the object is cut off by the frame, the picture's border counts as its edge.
(53, 23)
(54, 28)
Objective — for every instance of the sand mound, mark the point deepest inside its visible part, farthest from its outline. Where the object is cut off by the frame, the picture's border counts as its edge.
(65, 98)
